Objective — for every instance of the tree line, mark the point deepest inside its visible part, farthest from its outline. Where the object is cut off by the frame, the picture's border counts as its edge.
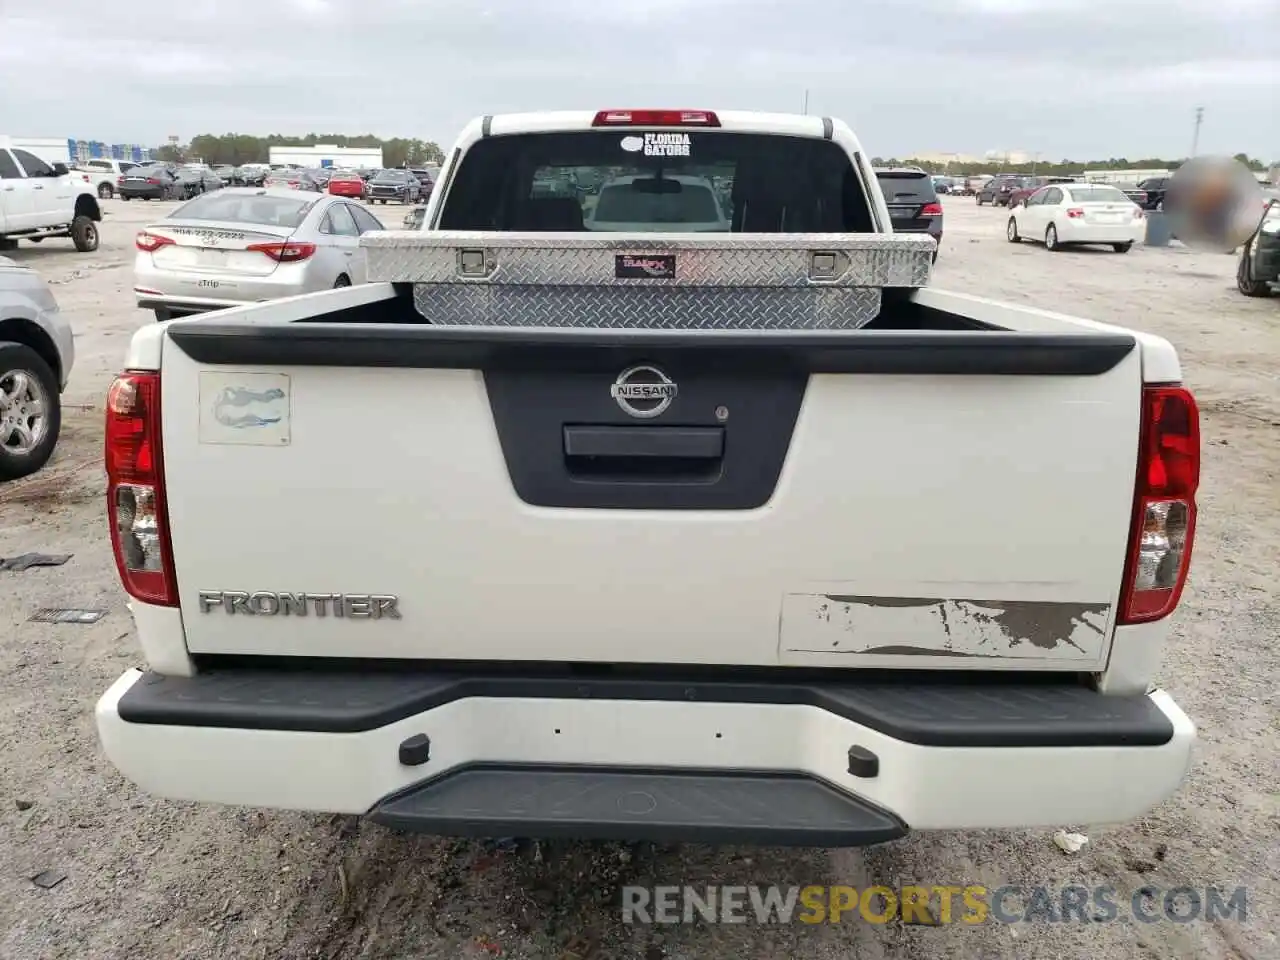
(238, 148)
(1050, 168)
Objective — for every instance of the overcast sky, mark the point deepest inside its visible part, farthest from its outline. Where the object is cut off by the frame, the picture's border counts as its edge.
(1085, 79)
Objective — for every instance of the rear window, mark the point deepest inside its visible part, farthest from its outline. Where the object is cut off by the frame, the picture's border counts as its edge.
(631, 180)
(1097, 194)
(906, 186)
(245, 208)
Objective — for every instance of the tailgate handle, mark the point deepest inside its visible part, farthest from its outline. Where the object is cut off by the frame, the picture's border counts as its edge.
(645, 443)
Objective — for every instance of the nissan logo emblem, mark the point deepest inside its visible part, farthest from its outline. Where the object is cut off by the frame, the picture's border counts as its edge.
(643, 391)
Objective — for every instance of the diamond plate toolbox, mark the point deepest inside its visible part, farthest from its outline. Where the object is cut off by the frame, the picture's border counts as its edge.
(725, 281)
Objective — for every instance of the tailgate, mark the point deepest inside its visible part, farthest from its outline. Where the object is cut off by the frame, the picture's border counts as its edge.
(953, 499)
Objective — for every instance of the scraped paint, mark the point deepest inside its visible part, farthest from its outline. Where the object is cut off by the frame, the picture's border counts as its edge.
(932, 626)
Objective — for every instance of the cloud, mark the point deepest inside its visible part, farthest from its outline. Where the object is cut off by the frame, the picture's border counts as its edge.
(1063, 77)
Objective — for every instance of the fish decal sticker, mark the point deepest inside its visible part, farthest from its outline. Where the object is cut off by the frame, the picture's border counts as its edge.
(232, 398)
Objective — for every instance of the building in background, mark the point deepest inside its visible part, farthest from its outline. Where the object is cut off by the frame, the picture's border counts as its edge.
(81, 150)
(327, 155)
(48, 149)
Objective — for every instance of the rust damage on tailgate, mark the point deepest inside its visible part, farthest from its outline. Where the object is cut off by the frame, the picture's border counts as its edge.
(933, 626)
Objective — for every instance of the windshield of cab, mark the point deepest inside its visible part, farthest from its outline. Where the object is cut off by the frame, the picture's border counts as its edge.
(630, 180)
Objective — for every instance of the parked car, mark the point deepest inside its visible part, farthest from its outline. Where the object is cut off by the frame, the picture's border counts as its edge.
(398, 185)
(913, 203)
(998, 190)
(248, 177)
(292, 180)
(1155, 188)
(414, 218)
(426, 182)
(1134, 193)
(347, 185)
(322, 176)
(201, 179)
(971, 185)
(1030, 185)
(153, 182)
(1258, 273)
(37, 350)
(1069, 214)
(104, 174)
(40, 201)
(245, 244)
(225, 172)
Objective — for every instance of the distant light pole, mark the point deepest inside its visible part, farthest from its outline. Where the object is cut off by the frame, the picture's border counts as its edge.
(1035, 163)
(806, 102)
(1195, 137)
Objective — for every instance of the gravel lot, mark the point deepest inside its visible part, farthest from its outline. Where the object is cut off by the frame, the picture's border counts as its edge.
(146, 878)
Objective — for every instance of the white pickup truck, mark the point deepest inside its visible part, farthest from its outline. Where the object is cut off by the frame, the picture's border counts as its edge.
(39, 200)
(745, 535)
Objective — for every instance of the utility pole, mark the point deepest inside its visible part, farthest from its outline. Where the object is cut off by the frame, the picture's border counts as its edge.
(806, 102)
(1035, 163)
(1195, 137)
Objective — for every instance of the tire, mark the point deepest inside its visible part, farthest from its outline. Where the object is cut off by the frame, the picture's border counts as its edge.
(19, 458)
(1051, 239)
(1011, 231)
(342, 281)
(124, 198)
(1122, 247)
(84, 234)
(978, 198)
(1245, 283)
(105, 192)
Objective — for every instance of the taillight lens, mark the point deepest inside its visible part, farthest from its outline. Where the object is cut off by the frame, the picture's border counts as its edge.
(1075, 213)
(1139, 213)
(152, 180)
(931, 210)
(1164, 510)
(284, 252)
(136, 504)
(119, 179)
(656, 118)
(150, 242)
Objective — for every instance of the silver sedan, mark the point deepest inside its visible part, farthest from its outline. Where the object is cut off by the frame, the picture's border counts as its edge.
(248, 244)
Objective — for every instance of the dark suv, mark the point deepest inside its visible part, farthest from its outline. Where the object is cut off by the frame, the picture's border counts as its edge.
(998, 190)
(913, 203)
(1155, 188)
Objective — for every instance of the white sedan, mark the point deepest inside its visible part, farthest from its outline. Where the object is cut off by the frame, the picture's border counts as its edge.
(1062, 214)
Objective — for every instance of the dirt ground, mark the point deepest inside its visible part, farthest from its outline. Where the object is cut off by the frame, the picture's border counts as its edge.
(147, 878)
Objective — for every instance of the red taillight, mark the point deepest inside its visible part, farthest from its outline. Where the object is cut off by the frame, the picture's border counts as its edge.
(152, 180)
(931, 210)
(655, 118)
(1139, 213)
(1164, 505)
(1075, 213)
(293, 183)
(284, 252)
(120, 180)
(150, 242)
(136, 504)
